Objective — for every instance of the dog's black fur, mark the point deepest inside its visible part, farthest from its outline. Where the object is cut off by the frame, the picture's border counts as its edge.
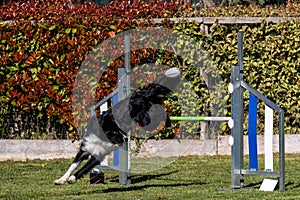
(110, 129)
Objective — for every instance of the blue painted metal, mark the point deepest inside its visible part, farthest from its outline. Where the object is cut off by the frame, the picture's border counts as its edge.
(116, 150)
(116, 157)
(115, 99)
(252, 133)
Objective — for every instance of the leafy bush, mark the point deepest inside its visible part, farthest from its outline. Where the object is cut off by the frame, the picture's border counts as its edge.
(270, 62)
(290, 9)
(42, 50)
(247, 2)
(43, 44)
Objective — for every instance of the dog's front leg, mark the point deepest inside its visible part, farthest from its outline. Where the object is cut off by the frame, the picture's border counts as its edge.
(80, 156)
(66, 176)
(91, 163)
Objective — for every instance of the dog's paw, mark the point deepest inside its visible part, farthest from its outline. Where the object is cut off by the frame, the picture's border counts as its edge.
(60, 181)
(72, 179)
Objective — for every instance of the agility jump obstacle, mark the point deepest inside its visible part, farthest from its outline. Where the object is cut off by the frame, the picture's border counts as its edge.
(237, 88)
(121, 159)
(236, 121)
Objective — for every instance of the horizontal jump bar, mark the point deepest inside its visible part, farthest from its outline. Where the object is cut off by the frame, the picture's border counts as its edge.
(199, 118)
(261, 173)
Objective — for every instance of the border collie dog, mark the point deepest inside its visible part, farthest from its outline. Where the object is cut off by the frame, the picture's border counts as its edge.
(104, 133)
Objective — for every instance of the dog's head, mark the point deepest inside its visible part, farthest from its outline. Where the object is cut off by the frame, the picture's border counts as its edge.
(170, 79)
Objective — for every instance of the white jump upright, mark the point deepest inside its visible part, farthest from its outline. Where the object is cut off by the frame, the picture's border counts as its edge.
(238, 87)
(268, 138)
(103, 108)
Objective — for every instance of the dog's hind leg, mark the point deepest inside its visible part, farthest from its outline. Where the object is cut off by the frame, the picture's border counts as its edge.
(90, 164)
(80, 156)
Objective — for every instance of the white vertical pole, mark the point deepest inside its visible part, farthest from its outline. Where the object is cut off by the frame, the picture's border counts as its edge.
(104, 107)
(268, 138)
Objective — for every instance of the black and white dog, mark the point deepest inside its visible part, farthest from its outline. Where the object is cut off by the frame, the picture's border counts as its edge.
(104, 133)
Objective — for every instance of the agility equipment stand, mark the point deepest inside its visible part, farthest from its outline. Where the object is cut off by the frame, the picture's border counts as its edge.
(237, 88)
(121, 158)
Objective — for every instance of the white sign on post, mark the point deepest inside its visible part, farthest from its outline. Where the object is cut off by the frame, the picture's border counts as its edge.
(269, 184)
(104, 107)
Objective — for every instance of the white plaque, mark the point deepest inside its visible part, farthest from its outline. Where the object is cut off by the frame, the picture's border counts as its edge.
(269, 184)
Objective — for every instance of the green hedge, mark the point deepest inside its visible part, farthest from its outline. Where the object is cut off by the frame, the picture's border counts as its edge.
(43, 44)
(43, 49)
(271, 62)
(289, 9)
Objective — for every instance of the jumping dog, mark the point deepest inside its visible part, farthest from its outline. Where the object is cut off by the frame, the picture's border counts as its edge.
(105, 132)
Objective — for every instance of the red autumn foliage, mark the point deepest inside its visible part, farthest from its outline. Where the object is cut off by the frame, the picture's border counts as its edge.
(43, 44)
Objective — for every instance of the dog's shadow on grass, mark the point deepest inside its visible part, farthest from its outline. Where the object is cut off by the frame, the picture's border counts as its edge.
(137, 179)
(144, 177)
(253, 185)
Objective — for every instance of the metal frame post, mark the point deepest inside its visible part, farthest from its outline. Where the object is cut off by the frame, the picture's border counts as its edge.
(281, 151)
(237, 111)
(124, 91)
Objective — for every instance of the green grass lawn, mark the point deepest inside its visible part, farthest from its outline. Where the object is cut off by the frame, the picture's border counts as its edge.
(193, 177)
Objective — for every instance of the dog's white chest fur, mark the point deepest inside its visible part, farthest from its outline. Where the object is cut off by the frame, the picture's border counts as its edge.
(97, 147)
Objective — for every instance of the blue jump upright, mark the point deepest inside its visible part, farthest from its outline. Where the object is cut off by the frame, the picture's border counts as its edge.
(116, 150)
(252, 133)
